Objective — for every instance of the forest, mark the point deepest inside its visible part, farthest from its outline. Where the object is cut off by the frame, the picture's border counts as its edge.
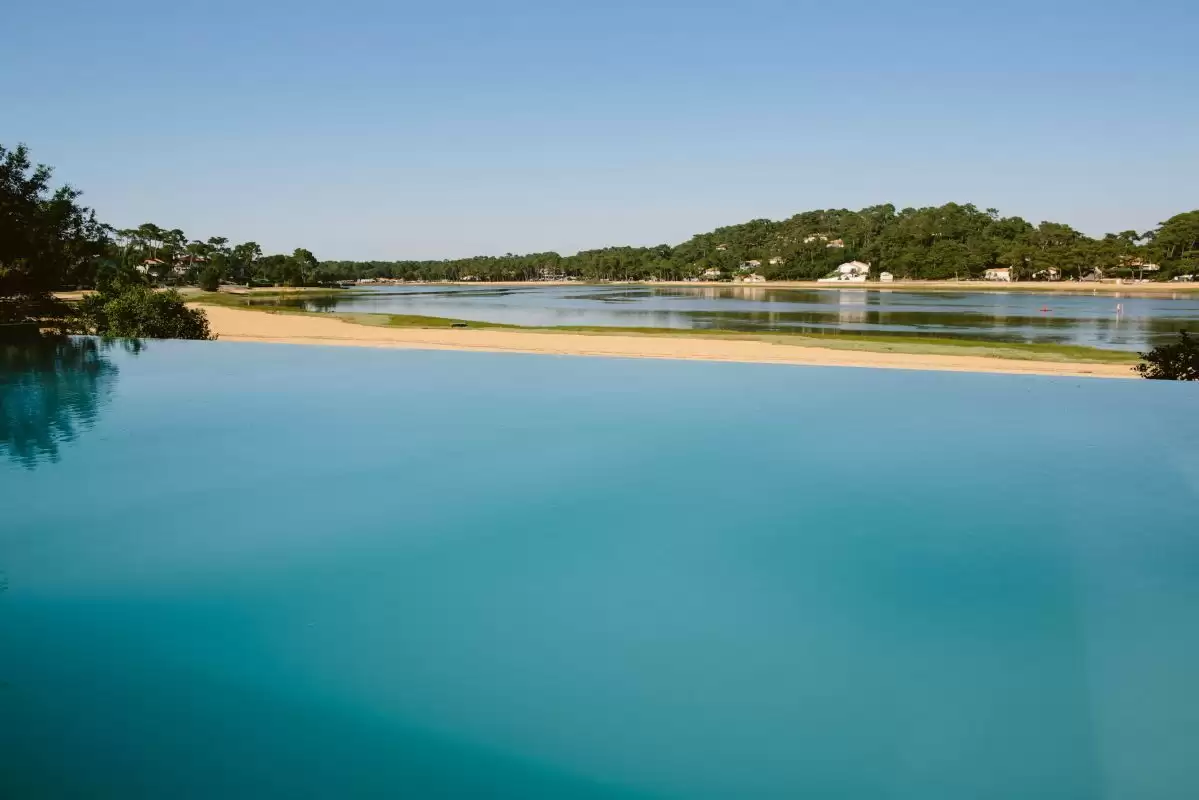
(952, 241)
(50, 242)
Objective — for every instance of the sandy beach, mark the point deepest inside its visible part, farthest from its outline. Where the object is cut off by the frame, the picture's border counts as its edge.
(231, 324)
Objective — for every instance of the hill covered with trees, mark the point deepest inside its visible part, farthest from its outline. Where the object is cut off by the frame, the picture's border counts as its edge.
(945, 242)
(49, 242)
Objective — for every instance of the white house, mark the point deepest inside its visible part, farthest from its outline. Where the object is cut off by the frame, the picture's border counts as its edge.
(1141, 264)
(712, 273)
(1047, 274)
(886, 277)
(750, 279)
(850, 272)
(836, 243)
(750, 266)
(998, 274)
(777, 260)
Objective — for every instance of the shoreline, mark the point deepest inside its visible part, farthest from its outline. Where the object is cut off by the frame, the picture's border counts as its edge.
(248, 325)
(1114, 290)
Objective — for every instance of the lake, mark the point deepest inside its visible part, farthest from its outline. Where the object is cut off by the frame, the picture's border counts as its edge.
(250, 570)
(1099, 320)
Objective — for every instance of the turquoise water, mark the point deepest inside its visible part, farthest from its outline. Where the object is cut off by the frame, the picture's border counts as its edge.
(272, 571)
(1107, 321)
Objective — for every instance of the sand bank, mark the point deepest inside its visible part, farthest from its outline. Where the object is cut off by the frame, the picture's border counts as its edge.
(262, 326)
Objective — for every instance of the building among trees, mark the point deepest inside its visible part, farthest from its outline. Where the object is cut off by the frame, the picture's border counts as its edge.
(850, 272)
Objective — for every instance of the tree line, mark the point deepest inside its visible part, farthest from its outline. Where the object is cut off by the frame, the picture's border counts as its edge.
(50, 242)
(170, 257)
(952, 241)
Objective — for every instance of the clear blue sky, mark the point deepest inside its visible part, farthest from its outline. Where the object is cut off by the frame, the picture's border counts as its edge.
(453, 128)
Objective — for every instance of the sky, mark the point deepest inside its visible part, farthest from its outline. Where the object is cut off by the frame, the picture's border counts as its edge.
(396, 130)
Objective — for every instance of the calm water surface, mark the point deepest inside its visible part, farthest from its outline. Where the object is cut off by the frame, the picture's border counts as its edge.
(1091, 320)
(239, 570)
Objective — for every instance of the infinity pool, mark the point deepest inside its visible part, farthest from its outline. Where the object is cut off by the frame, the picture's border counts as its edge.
(239, 570)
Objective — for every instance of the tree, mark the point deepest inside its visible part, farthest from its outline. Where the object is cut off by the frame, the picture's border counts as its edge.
(47, 240)
(1175, 244)
(292, 272)
(210, 278)
(1178, 361)
(242, 258)
(307, 265)
(133, 310)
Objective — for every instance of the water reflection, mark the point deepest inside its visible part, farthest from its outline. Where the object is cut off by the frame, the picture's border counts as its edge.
(51, 390)
(853, 307)
(1090, 320)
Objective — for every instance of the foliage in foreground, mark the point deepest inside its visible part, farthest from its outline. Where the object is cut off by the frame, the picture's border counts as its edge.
(46, 239)
(131, 310)
(1178, 361)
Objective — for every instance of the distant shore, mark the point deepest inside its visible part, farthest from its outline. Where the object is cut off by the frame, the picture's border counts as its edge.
(1034, 287)
(1029, 287)
(235, 324)
(1164, 289)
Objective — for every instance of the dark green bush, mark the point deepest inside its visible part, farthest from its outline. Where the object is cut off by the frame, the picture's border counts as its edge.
(1178, 361)
(136, 311)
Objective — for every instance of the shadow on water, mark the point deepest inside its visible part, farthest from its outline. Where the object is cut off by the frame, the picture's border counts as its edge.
(320, 303)
(51, 390)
